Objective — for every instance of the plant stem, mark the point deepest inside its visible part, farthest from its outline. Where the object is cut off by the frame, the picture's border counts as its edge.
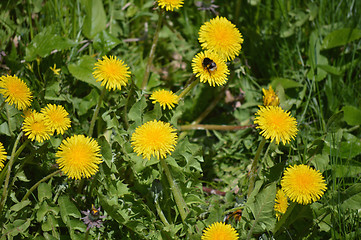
(152, 50)
(213, 127)
(11, 162)
(86, 234)
(95, 115)
(253, 171)
(179, 200)
(9, 120)
(38, 183)
(193, 82)
(161, 214)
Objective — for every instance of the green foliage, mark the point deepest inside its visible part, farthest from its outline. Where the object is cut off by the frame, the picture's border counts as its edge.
(309, 52)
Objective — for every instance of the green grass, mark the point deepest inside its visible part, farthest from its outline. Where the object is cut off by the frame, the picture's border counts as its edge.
(308, 51)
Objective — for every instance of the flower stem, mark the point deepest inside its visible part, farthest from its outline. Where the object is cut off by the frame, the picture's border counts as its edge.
(179, 200)
(86, 234)
(38, 183)
(95, 115)
(253, 174)
(213, 127)
(161, 214)
(152, 50)
(193, 82)
(14, 153)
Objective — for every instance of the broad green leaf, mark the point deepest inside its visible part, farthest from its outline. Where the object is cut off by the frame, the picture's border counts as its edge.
(51, 224)
(348, 148)
(346, 170)
(4, 129)
(340, 37)
(44, 191)
(104, 42)
(352, 115)
(285, 82)
(330, 69)
(45, 42)
(95, 18)
(352, 197)
(67, 209)
(18, 206)
(315, 58)
(83, 70)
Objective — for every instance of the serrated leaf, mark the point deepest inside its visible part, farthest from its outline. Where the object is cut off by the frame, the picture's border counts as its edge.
(106, 151)
(262, 209)
(45, 42)
(340, 37)
(44, 191)
(83, 70)
(135, 113)
(352, 115)
(95, 18)
(18, 226)
(44, 209)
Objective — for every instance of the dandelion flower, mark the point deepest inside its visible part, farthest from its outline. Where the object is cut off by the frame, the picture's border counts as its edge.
(155, 138)
(303, 184)
(35, 127)
(220, 231)
(56, 117)
(222, 36)
(276, 124)
(164, 98)
(281, 203)
(2, 156)
(270, 98)
(210, 67)
(169, 5)
(55, 70)
(15, 91)
(112, 72)
(78, 156)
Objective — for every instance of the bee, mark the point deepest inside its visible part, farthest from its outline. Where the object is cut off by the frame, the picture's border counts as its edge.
(236, 215)
(94, 212)
(209, 64)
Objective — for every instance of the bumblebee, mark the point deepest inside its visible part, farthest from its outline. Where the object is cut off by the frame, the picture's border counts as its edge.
(209, 65)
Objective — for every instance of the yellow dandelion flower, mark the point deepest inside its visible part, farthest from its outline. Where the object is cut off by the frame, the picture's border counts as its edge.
(281, 203)
(276, 124)
(270, 98)
(55, 70)
(15, 91)
(164, 98)
(220, 231)
(35, 127)
(56, 117)
(222, 36)
(2, 156)
(79, 157)
(210, 67)
(169, 5)
(303, 184)
(112, 72)
(155, 138)
(27, 112)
